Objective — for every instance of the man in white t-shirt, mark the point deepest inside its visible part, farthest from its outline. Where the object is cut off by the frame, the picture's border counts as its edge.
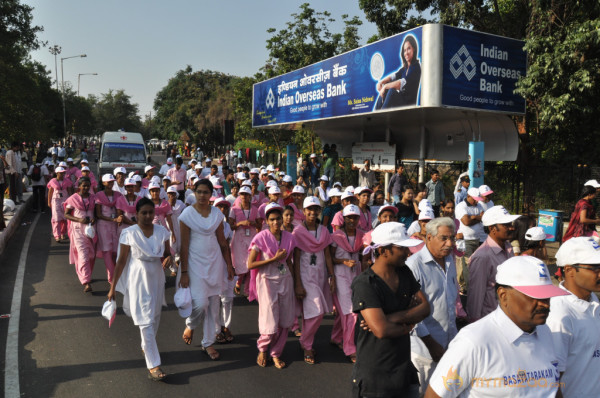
(39, 174)
(469, 213)
(510, 351)
(166, 167)
(575, 319)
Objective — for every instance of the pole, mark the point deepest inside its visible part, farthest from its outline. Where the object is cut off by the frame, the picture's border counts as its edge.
(78, 82)
(62, 82)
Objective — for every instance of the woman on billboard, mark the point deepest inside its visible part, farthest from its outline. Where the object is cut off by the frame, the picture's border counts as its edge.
(401, 88)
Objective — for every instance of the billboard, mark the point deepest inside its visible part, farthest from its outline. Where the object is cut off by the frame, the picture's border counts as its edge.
(481, 70)
(377, 77)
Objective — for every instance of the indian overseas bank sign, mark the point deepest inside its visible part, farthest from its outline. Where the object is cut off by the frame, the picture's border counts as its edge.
(429, 66)
(481, 71)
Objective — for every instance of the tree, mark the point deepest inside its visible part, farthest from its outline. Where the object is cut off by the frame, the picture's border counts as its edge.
(114, 111)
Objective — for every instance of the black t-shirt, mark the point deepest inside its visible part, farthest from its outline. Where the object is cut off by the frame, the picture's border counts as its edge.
(405, 210)
(383, 367)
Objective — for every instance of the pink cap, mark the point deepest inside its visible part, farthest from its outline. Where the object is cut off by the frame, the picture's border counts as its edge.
(528, 275)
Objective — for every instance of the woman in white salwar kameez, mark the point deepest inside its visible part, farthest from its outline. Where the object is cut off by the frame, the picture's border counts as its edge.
(205, 261)
(140, 277)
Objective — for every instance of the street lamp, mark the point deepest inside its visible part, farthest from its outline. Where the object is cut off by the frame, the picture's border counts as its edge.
(79, 79)
(55, 50)
(62, 78)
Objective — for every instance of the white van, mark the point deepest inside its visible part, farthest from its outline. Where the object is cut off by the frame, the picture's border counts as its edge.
(121, 149)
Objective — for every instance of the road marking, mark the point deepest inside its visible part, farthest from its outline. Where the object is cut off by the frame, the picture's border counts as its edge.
(11, 365)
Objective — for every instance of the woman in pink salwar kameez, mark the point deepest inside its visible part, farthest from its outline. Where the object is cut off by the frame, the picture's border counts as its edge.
(316, 281)
(162, 209)
(59, 189)
(107, 226)
(125, 205)
(272, 283)
(346, 248)
(79, 210)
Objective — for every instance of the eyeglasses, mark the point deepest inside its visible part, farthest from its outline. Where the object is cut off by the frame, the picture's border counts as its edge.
(446, 238)
(595, 269)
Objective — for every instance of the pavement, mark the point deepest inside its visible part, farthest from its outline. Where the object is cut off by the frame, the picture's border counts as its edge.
(13, 220)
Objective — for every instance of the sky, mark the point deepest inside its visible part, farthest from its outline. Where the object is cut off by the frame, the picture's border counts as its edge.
(138, 45)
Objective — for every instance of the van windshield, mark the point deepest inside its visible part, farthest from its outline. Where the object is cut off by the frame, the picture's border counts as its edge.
(116, 152)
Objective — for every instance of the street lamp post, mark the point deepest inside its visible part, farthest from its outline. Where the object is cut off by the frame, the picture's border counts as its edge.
(62, 78)
(55, 50)
(79, 79)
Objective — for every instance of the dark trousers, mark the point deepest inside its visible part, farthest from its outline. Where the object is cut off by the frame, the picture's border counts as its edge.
(39, 198)
(2, 189)
(12, 186)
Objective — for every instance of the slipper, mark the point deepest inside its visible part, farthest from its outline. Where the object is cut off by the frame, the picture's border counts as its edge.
(211, 352)
(297, 332)
(352, 358)
(278, 363)
(261, 360)
(237, 290)
(157, 374)
(309, 357)
(87, 288)
(187, 337)
(221, 338)
(228, 335)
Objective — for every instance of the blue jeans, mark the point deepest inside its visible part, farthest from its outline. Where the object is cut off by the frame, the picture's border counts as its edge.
(330, 173)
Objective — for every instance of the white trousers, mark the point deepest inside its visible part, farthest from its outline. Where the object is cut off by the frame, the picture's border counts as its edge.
(425, 367)
(226, 310)
(205, 309)
(149, 346)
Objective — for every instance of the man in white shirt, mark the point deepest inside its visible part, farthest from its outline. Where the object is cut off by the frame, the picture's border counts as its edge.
(12, 171)
(192, 167)
(575, 319)
(469, 213)
(166, 167)
(119, 186)
(433, 267)
(39, 174)
(62, 153)
(510, 351)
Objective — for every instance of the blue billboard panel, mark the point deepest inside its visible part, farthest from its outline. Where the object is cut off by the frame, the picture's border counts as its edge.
(481, 70)
(380, 76)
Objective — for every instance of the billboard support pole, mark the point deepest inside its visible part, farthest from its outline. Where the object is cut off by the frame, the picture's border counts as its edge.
(386, 183)
(422, 155)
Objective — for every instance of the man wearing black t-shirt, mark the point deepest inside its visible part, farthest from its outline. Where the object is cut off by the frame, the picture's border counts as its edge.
(389, 302)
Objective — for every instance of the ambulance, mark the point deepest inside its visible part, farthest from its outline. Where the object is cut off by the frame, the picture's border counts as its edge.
(122, 149)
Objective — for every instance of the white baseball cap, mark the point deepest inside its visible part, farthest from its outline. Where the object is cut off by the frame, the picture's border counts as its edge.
(270, 168)
(351, 210)
(272, 175)
(311, 201)
(271, 183)
(474, 193)
(172, 189)
(347, 194)
(108, 177)
(84, 168)
(497, 215)
(83, 161)
(208, 160)
(393, 233)
(528, 275)
(62, 164)
(426, 214)
(298, 189)
(350, 188)
(425, 204)
(592, 183)
(254, 171)
(69, 159)
(215, 182)
(287, 179)
(272, 206)
(155, 179)
(241, 176)
(221, 201)
(245, 189)
(247, 183)
(129, 181)
(337, 184)
(147, 168)
(118, 170)
(485, 190)
(274, 190)
(334, 192)
(537, 234)
(313, 155)
(169, 160)
(580, 250)
(324, 178)
(198, 167)
(391, 208)
(59, 169)
(153, 185)
(239, 166)
(166, 178)
(137, 178)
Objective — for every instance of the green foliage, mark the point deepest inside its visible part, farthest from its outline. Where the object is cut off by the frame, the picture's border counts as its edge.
(114, 111)
(195, 103)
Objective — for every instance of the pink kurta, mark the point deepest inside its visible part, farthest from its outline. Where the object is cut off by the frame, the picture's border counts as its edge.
(59, 196)
(242, 237)
(128, 208)
(346, 247)
(108, 239)
(365, 222)
(161, 211)
(273, 283)
(82, 252)
(314, 274)
(298, 215)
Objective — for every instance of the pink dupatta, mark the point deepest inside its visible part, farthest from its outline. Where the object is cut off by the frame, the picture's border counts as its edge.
(122, 204)
(306, 240)
(339, 238)
(102, 199)
(265, 241)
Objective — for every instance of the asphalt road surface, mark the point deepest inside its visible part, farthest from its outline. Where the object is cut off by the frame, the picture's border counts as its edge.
(65, 348)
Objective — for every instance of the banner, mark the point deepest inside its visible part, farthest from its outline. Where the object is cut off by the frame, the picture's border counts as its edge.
(377, 77)
(381, 154)
(481, 70)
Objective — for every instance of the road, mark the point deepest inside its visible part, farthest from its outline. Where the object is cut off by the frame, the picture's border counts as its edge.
(65, 348)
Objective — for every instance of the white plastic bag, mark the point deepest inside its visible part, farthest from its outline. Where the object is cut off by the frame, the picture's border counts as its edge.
(109, 310)
(183, 301)
(90, 231)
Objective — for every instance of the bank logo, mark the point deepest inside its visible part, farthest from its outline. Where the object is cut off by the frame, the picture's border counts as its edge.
(462, 62)
(270, 102)
(452, 380)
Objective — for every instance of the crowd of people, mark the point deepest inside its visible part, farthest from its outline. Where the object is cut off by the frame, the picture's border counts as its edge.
(432, 296)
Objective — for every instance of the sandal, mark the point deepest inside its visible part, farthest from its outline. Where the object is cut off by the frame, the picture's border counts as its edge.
(278, 363)
(352, 358)
(297, 332)
(87, 288)
(228, 335)
(188, 336)
(309, 357)
(221, 338)
(261, 360)
(211, 352)
(237, 290)
(157, 374)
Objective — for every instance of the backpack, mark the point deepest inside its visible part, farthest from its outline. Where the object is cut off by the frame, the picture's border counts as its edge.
(36, 173)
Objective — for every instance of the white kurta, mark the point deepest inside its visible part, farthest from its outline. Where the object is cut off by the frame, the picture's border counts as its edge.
(206, 266)
(142, 282)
